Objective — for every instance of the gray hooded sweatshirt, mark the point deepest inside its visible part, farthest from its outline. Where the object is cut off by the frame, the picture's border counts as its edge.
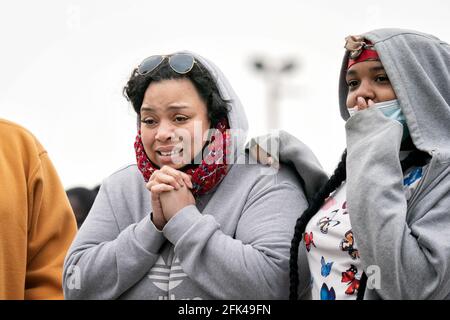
(404, 245)
(233, 244)
(408, 240)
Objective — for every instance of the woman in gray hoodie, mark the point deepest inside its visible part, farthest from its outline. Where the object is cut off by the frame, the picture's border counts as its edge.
(192, 219)
(379, 228)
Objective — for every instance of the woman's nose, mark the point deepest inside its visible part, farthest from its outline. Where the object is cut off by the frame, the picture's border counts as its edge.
(165, 131)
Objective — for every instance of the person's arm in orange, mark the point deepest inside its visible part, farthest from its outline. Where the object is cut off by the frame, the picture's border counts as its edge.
(51, 229)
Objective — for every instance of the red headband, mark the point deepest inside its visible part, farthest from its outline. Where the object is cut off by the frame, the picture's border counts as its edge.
(360, 50)
(366, 54)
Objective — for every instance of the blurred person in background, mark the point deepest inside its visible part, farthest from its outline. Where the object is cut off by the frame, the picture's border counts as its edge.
(81, 200)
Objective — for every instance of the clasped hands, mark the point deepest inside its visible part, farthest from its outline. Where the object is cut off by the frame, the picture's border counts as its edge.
(170, 192)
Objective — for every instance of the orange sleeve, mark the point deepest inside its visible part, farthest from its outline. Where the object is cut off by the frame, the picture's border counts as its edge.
(51, 229)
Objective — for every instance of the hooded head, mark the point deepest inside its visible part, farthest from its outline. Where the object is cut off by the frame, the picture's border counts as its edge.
(418, 66)
(185, 109)
(210, 83)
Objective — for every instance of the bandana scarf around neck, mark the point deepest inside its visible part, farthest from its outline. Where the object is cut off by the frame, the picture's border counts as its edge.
(208, 173)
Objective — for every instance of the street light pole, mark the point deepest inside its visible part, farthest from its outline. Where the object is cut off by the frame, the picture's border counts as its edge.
(272, 74)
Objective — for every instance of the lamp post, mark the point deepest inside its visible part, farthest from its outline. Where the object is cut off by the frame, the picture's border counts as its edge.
(272, 73)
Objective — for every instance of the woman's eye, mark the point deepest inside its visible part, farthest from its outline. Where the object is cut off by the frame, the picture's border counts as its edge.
(181, 118)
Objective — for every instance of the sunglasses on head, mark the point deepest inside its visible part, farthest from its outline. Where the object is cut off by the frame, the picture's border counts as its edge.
(181, 63)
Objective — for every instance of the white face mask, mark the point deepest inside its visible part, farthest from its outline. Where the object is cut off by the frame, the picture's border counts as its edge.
(390, 109)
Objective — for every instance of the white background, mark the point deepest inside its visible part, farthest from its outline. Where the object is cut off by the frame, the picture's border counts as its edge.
(63, 65)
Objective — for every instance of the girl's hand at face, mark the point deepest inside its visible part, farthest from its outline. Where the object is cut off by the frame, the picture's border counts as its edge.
(361, 103)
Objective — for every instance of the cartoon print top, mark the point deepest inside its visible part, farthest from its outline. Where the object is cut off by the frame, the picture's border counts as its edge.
(333, 256)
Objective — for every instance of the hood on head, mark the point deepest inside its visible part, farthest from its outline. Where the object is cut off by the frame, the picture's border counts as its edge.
(418, 66)
(237, 118)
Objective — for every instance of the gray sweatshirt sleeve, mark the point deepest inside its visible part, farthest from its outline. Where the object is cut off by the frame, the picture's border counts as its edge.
(413, 260)
(254, 264)
(104, 261)
(286, 148)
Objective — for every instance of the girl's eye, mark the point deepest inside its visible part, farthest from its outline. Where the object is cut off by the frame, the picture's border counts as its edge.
(382, 78)
(181, 118)
(352, 83)
(149, 122)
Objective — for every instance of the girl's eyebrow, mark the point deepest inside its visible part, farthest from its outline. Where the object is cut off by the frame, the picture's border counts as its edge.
(351, 73)
(377, 68)
(373, 69)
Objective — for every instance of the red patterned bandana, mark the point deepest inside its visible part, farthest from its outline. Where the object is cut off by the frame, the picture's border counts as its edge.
(205, 175)
(360, 50)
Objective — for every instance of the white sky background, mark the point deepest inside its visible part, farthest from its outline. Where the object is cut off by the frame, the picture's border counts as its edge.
(63, 65)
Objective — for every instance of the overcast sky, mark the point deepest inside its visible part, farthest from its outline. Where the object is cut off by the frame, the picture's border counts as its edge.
(63, 65)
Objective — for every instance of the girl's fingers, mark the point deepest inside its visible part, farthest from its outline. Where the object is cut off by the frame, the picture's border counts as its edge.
(361, 103)
(264, 157)
(370, 103)
(261, 155)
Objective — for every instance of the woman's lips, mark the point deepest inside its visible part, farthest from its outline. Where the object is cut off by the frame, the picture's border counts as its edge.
(169, 153)
(170, 157)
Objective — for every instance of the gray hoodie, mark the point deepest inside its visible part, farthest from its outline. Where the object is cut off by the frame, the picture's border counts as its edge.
(233, 244)
(408, 240)
(403, 244)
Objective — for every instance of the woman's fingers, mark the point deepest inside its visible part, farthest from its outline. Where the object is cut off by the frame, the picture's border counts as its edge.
(181, 177)
(170, 176)
(161, 177)
(160, 188)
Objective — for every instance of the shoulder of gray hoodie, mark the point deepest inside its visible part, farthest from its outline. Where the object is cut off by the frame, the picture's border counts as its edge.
(404, 245)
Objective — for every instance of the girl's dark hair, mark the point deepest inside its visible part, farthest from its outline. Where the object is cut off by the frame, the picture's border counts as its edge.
(415, 158)
(202, 80)
(332, 184)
